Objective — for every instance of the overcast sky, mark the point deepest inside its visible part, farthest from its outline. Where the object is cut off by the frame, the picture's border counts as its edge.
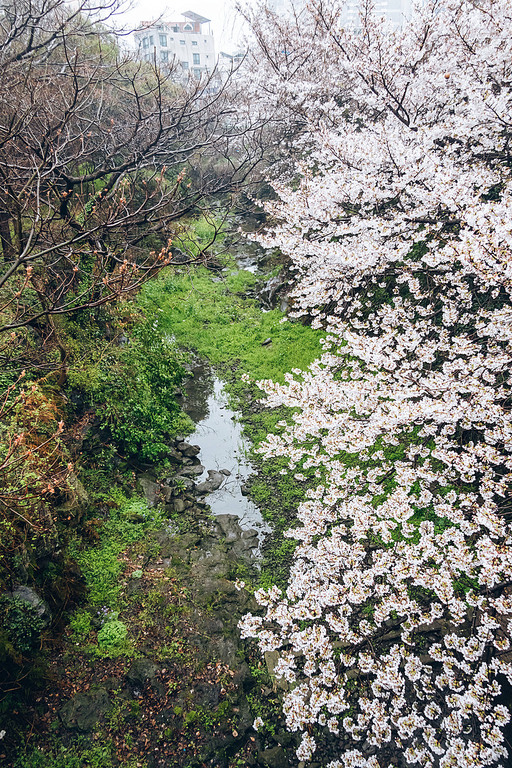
(226, 29)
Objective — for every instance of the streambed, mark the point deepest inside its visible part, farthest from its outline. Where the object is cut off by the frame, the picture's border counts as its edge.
(223, 446)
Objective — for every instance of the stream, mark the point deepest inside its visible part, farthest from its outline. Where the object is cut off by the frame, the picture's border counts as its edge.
(223, 446)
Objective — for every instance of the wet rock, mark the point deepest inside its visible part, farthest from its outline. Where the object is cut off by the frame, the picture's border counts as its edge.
(192, 471)
(269, 293)
(184, 481)
(225, 472)
(215, 480)
(188, 450)
(244, 489)
(30, 596)
(274, 758)
(85, 710)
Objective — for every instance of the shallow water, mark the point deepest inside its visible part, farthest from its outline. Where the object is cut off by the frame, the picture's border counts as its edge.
(223, 446)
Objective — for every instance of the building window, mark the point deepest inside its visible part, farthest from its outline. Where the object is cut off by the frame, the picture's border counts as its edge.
(182, 42)
(184, 64)
(197, 73)
(164, 55)
(163, 40)
(151, 41)
(196, 58)
(188, 27)
(175, 29)
(194, 42)
(144, 42)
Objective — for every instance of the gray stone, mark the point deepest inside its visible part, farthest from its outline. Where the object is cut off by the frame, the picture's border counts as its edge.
(225, 472)
(150, 488)
(144, 672)
(193, 471)
(188, 450)
(271, 659)
(85, 710)
(184, 481)
(274, 758)
(178, 505)
(174, 455)
(215, 478)
(214, 481)
(167, 493)
(29, 596)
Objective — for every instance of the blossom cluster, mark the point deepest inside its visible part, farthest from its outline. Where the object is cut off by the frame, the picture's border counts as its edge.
(394, 630)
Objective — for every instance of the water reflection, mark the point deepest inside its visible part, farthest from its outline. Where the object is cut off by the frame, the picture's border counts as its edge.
(223, 446)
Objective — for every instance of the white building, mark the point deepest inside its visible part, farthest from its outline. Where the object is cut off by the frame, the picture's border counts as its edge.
(185, 42)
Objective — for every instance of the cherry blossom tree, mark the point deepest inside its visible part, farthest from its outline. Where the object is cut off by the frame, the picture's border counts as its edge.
(394, 631)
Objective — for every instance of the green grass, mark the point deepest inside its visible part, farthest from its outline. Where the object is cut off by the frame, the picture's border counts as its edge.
(77, 755)
(129, 522)
(223, 325)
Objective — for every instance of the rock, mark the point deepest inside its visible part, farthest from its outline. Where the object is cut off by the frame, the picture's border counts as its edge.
(271, 659)
(144, 672)
(274, 758)
(174, 455)
(84, 710)
(193, 471)
(225, 472)
(178, 505)
(244, 489)
(229, 526)
(188, 450)
(184, 481)
(215, 480)
(266, 342)
(29, 596)
(150, 488)
(167, 493)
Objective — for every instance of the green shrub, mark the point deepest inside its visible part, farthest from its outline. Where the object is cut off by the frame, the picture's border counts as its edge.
(80, 625)
(21, 623)
(112, 635)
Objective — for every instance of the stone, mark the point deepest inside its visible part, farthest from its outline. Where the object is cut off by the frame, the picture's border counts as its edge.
(174, 455)
(178, 505)
(192, 471)
(29, 596)
(214, 481)
(150, 488)
(215, 478)
(188, 450)
(225, 472)
(266, 342)
(85, 710)
(274, 758)
(144, 672)
(184, 481)
(271, 659)
(167, 493)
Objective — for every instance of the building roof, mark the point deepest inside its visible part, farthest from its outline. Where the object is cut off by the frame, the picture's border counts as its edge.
(195, 17)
